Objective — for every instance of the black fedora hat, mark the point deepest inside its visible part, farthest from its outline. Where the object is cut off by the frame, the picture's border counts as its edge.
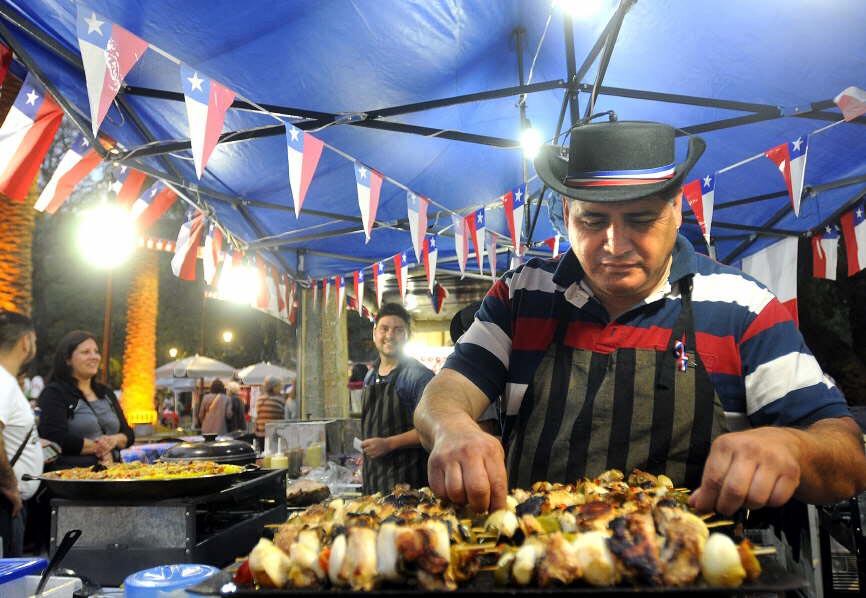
(617, 161)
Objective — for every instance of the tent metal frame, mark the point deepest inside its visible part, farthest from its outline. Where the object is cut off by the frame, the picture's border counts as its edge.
(756, 112)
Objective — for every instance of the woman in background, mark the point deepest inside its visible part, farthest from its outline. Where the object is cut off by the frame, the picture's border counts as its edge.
(271, 406)
(213, 412)
(77, 412)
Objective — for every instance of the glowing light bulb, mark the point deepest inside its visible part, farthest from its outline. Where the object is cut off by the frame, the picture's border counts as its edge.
(106, 235)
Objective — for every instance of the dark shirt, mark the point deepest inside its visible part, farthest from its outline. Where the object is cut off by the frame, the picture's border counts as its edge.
(412, 377)
(58, 402)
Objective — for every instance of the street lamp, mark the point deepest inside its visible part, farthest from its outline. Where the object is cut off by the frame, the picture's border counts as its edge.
(106, 238)
(228, 335)
(172, 352)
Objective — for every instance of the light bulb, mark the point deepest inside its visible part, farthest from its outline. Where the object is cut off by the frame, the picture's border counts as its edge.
(106, 235)
(530, 141)
(579, 9)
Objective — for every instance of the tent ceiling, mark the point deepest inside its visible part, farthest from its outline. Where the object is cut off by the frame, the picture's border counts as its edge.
(746, 76)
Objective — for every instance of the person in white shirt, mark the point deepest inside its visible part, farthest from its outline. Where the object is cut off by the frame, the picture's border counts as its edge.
(20, 450)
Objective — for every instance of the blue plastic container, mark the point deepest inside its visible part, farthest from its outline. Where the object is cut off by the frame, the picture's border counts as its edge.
(14, 571)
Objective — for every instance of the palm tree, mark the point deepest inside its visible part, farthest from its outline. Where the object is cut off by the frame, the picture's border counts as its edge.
(139, 354)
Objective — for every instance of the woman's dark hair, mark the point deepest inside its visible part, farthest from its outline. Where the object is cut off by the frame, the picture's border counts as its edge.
(62, 371)
(359, 372)
(217, 387)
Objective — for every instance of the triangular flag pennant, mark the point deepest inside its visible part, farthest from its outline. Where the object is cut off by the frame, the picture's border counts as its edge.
(700, 193)
(854, 230)
(358, 279)
(475, 226)
(5, 61)
(25, 137)
(553, 243)
(206, 103)
(78, 161)
(379, 281)
(513, 202)
(416, 207)
(152, 204)
(491, 251)
(430, 255)
(852, 103)
(438, 296)
(369, 183)
(304, 152)
(213, 247)
(340, 285)
(186, 252)
(461, 243)
(401, 269)
(263, 299)
(108, 53)
(776, 267)
(790, 159)
(127, 184)
(825, 250)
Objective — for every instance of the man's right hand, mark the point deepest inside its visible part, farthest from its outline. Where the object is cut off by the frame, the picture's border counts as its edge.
(13, 495)
(467, 466)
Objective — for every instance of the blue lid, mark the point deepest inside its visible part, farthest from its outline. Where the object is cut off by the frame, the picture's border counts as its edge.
(12, 569)
(165, 578)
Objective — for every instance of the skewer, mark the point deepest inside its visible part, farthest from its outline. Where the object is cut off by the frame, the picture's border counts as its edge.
(488, 547)
(720, 523)
(706, 516)
(762, 550)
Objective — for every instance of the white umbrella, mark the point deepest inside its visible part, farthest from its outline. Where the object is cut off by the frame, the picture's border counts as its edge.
(199, 366)
(256, 373)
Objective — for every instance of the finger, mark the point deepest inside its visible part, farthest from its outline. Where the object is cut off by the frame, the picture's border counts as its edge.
(436, 477)
(736, 486)
(476, 484)
(705, 498)
(498, 478)
(762, 486)
(782, 492)
(454, 483)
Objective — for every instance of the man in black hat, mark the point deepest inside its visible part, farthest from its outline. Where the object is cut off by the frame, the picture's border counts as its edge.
(633, 351)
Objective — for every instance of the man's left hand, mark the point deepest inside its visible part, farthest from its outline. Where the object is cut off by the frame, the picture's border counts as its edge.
(753, 469)
(376, 447)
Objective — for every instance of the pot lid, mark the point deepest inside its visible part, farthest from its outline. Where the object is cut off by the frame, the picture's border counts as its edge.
(211, 449)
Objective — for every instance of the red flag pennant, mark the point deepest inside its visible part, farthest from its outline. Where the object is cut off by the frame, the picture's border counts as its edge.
(78, 161)
(304, 152)
(206, 101)
(186, 252)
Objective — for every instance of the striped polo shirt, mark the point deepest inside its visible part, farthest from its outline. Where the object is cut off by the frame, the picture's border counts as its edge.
(755, 356)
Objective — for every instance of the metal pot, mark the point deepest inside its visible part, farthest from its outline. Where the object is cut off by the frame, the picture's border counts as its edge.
(219, 450)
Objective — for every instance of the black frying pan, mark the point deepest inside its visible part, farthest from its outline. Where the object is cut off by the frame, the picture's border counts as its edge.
(136, 489)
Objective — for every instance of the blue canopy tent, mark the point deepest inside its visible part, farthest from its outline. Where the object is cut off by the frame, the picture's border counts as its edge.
(429, 93)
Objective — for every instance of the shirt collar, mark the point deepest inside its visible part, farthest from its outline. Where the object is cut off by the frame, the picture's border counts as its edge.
(569, 271)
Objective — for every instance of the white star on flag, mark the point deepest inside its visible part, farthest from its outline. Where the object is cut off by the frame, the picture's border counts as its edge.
(797, 143)
(707, 181)
(94, 25)
(32, 97)
(294, 133)
(195, 81)
(362, 173)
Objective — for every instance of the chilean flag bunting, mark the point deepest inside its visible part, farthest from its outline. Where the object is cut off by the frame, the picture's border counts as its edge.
(431, 254)
(358, 279)
(186, 248)
(790, 159)
(416, 207)
(461, 243)
(127, 184)
(340, 285)
(152, 204)
(379, 281)
(491, 251)
(206, 104)
(304, 152)
(825, 249)
(213, 247)
(369, 183)
(108, 53)
(852, 102)
(776, 267)
(25, 137)
(513, 202)
(78, 161)
(475, 227)
(700, 194)
(854, 231)
(401, 268)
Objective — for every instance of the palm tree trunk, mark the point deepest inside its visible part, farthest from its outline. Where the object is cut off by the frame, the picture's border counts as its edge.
(139, 354)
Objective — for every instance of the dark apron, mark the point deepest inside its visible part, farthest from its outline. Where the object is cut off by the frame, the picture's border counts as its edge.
(383, 415)
(586, 412)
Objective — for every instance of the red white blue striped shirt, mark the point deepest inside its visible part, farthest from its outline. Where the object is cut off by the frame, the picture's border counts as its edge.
(756, 357)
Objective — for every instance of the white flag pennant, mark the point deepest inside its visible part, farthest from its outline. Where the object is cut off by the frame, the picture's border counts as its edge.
(491, 251)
